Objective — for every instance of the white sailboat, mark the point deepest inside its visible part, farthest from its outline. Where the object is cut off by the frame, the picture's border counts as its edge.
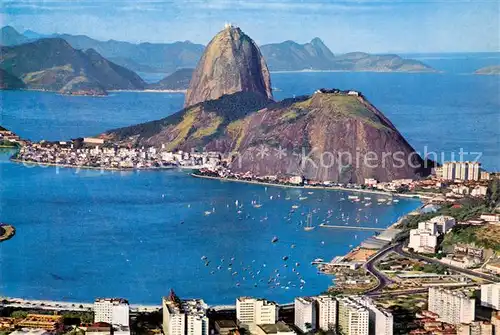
(309, 226)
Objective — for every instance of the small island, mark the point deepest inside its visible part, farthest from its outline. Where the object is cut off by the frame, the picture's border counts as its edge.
(6, 232)
(489, 70)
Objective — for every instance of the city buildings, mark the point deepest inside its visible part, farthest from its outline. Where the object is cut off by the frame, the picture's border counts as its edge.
(424, 238)
(353, 317)
(461, 170)
(114, 311)
(184, 317)
(381, 321)
(251, 312)
(452, 306)
(327, 312)
(305, 314)
(490, 296)
(51, 323)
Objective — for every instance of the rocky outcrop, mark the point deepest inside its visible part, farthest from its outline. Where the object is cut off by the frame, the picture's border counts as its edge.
(330, 135)
(327, 136)
(231, 63)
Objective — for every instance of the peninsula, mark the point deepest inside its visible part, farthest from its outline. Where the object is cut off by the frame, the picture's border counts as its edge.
(489, 70)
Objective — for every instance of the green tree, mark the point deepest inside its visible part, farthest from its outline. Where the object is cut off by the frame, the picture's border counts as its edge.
(19, 314)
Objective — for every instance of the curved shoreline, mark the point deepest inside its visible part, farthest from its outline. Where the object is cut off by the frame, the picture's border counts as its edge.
(333, 188)
(69, 166)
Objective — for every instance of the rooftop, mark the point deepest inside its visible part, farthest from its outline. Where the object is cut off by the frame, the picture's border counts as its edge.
(305, 300)
(226, 324)
(190, 307)
(112, 300)
(279, 327)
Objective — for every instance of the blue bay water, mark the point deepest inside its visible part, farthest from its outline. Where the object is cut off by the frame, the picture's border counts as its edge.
(84, 234)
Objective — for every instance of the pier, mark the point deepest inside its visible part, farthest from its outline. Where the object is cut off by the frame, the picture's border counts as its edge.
(351, 227)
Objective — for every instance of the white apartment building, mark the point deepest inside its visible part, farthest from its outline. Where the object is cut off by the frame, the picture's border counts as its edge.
(251, 312)
(184, 317)
(353, 317)
(443, 223)
(381, 321)
(305, 313)
(327, 312)
(452, 306)
(490, 296)
(461, 170)
(424, 238)
(114, 311)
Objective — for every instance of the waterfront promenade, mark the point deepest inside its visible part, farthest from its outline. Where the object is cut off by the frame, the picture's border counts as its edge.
(86, 306)
(65, 305)
(310, 187)
(351, 227)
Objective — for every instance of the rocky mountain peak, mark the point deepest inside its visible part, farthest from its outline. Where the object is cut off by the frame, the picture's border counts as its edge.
(232, 62)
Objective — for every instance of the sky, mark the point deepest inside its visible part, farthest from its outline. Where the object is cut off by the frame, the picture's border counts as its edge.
(399, 26)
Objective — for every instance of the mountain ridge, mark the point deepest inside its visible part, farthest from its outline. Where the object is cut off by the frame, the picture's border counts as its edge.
(169, 57)
(51, 63)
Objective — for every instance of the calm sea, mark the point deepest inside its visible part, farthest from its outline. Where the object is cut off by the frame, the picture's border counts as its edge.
(85, 234)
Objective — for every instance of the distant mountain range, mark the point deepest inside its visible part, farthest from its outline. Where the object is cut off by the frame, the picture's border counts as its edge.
(169, 57)
(53, 64)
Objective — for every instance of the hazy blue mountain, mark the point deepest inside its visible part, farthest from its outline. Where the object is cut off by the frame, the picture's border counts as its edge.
(51, 63)
(179, 80)
(10, 36)
(169, 57)
(33, 35)
(144, 57)
(290, 56)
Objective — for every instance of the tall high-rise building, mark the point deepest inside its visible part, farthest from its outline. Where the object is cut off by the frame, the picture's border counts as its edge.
(327, 312)
(381, 321)
(114, 311)
(251, 312)
(305, 313)
(490, 296)
(184, 317)
(461, 170)
(353, 317)
(452, 306)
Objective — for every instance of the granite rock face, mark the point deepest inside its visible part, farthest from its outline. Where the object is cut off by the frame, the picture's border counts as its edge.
(327, 136)
(231, 63)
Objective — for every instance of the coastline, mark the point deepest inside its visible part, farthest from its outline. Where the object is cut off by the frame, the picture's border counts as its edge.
(69, 166)
(334, 188)
(351, 71)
